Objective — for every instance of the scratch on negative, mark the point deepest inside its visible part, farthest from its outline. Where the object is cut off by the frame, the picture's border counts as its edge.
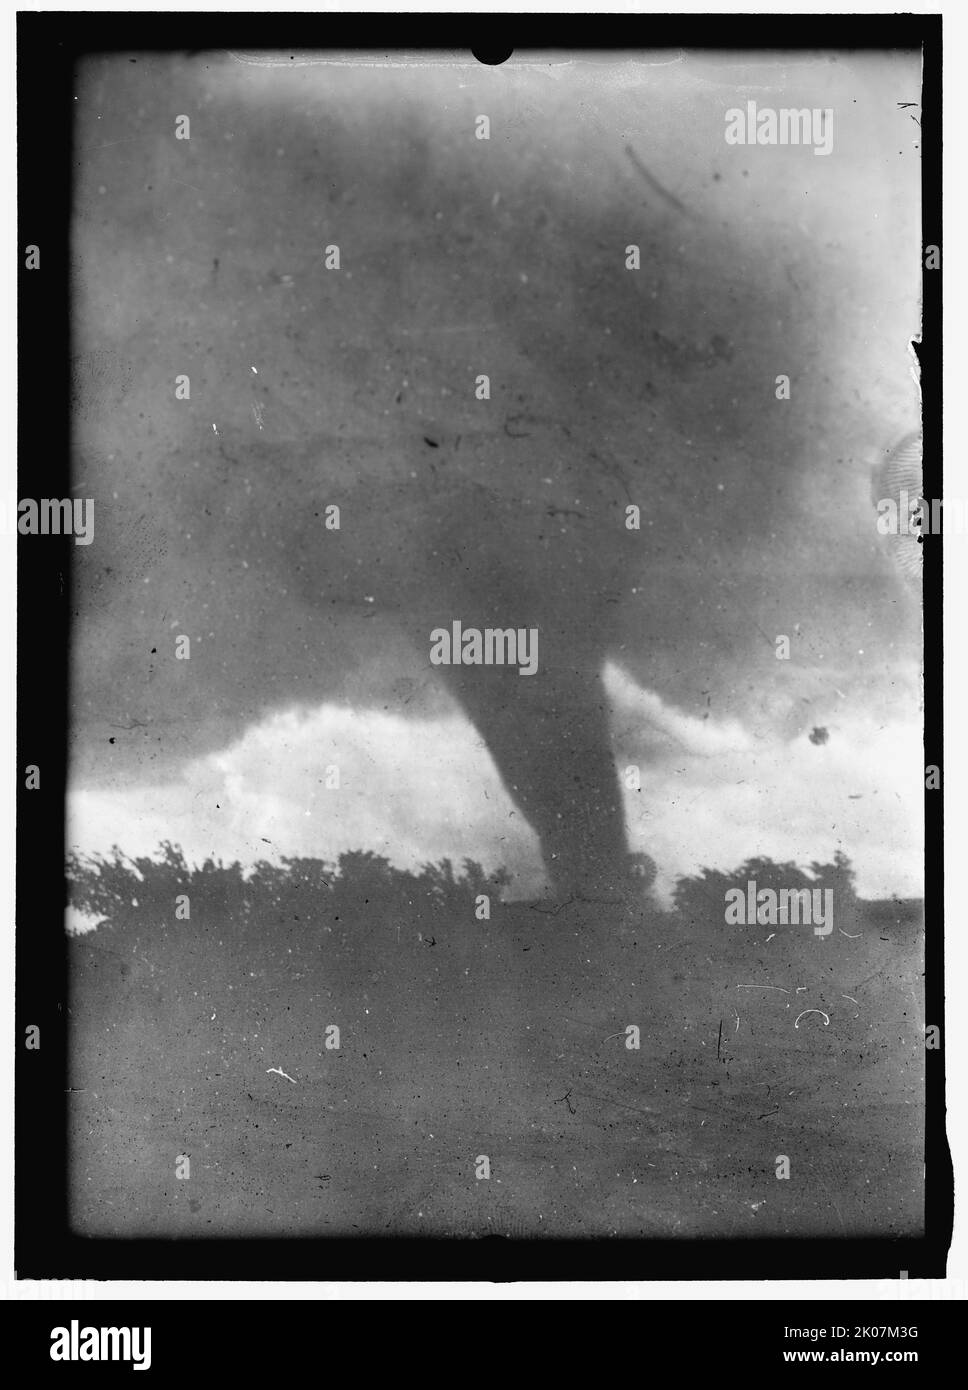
(279, 1072)
(655, 185)
(779, 987)
(826, 1017)
(251, 60)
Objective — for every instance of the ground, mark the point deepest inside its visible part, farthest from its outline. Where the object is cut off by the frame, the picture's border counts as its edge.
(507, 1039)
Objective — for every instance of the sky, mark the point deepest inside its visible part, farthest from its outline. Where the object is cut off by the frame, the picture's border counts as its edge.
(712, 795)
(202, 258)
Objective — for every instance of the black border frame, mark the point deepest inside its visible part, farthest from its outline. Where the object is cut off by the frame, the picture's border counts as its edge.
(48, 44)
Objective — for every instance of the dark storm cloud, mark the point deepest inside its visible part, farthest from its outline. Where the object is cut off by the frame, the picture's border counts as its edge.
(206, 257)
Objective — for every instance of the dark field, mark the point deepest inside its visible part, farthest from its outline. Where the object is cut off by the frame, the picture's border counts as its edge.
(507, 1038)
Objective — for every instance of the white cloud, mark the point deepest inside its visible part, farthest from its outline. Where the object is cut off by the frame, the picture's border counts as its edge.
(421, 789)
